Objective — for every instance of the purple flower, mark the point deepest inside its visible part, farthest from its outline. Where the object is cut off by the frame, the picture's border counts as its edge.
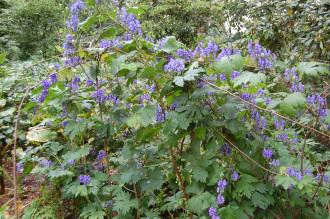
(234, 176)
(174, 65)
(160, 115)
(267, 153)
(279, 124)
(151, 88)
(184, 54)
(263, 56)
(71, 162)
(84, 179)
(293, 172)
(225, 149)
(227, 52)
(318, 105)
(274, 163)
(45, 163)
(220, 199)
(19, 167)
(283, 136)
(234, 75)
(53, 78)
(222, 183)
(46, 84)
(99, 96)
(72, 61)
(89, 82)
(102, 154)
(174, 106)
(213, 213)
(129, 20)
(222, 77)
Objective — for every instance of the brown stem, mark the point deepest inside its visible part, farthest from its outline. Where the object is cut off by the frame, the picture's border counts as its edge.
(2, 178)
(138, 202)
(14, 150)
(181, 182)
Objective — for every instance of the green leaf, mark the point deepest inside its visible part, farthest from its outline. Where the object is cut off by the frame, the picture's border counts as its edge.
(154, 181)
(170, 45)
(284, 181)
(76, 154)
(143, 117)
(261, 201)
(249, 78)
(40, 134)
(229, 63)
(200, 202)
(2, 57)
(2, 102)
(123, 203)
(59, 173)
(179, 81)
(313, 69)
(149, 72)
(245, 186)
(293, 102)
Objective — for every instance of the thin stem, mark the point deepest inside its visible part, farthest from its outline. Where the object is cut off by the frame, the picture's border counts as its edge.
(266, 110)
(245, 155)
(181, 182)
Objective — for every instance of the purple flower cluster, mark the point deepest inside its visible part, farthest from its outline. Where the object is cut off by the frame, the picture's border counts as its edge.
(99, 96)
(225, 149)
(74, 85)
(151, 88)
(274, 163)
(129, 21)
(174, 65)
(222, 183)
(174, 106)
(296, 173)
(318, 105)
(75, 9)
(144, 99)
(84, 179)
(234, 75)
(210, 50)
(105, 44)
(263, 56)
(291, 76)
(222, 77)
(228, 52)
(267, 153)
(101, 154)
(184, 54)
(213, 213)
(89, 82)
(235, 176)
(45, 163)
(160, 114)
(278, 124)
(46, 85)
(69, 51)
(19, 167)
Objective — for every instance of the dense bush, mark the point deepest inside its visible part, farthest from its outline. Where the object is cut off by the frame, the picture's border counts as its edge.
(124, 127)
(125, 134)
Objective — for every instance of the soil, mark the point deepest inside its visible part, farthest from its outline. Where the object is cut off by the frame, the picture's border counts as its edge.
(28, 190)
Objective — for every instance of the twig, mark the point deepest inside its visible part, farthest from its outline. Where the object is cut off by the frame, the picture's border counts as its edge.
(266, 110)
(181, 182)
(15, 146)
(245, 155)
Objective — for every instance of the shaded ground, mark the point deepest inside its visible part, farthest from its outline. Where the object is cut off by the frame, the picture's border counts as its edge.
(28, 191)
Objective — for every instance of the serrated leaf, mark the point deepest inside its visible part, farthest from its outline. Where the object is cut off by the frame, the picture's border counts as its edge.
(123, 203)
(249, 77)
(77, 154)
(313, 69)
(293, 102)
(200, 202)
(59, 173)
(284, 181)
(179, 81)
(261, 201)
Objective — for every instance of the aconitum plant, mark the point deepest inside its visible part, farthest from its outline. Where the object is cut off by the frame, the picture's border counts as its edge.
(163, 130)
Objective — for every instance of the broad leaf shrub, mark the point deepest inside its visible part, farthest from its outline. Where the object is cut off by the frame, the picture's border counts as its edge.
(127, 127)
